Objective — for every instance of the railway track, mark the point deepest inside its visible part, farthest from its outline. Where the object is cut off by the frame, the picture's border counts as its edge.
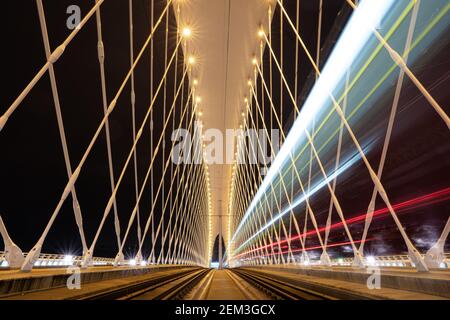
(280, 289)
(205, 284)
(169, 287)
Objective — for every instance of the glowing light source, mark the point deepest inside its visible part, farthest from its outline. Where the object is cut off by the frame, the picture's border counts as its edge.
(261, 33)
(133, 262)
(195, 82)
(68, 259)
(187, 32)
(191, 60)
(371, 260)
(199, 99)
(255, 61)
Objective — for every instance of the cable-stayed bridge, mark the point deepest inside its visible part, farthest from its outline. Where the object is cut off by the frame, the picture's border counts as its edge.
(288, 144)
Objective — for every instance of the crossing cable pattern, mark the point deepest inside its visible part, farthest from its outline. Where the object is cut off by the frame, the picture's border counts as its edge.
(288, 205)
(260, 227)
(164, 238)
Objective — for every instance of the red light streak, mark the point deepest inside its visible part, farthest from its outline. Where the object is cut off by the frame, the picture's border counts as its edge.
(314, 248)
(426, 200)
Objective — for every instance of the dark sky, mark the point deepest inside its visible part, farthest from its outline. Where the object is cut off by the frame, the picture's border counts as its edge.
(32, 171)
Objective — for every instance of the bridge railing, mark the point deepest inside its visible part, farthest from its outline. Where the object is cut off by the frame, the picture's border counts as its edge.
(393, 261)
(59, 260)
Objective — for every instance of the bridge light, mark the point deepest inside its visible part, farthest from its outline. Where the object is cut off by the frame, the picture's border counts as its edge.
(187, 32)
(133, 262)
(261, 33)
(68, 259)
(371, 260)
(199, 99)
(195, 82)
(255, 61)
(191, 60)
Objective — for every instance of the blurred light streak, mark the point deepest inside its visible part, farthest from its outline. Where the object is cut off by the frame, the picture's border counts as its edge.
(341, 244)
(422, 201)
(356, 34)
(303, 198)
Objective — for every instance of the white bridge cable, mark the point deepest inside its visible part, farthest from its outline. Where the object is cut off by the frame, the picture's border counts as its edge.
(177, 204)
(195, 224)
(193, 241)
(400, 61)
(173, 130)
(182, 230)
(133, 117)
(35, 251)
(337, 164)
(166, 201)
(54, 87)
(101, 60)
(358, 258)
(150, 218)
(248, 174)
(152, 200)
(291, 157)
(278, 205)
(166, 47)
(182, 245)
(181, 209)
(277, 236)
(52, 59)
(141, 192)
(281, 177)
(415, 257)
(199, 180)
(247, 196)
(88, 256)
(396, 100)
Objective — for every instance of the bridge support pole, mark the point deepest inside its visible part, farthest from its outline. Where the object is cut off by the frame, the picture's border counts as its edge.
(324, 259)
(220, 244)
(13, 254)
(435, 256)
(119, 260)
(87, 260)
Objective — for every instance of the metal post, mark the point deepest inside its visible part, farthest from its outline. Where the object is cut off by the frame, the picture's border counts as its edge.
(220, 243)
(13, 254)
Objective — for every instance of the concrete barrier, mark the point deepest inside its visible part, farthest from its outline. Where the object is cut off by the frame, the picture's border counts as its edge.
(16, 283)
(433, 283)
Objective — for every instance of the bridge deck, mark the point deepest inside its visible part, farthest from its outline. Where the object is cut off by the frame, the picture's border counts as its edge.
(223, 287)
(63, 293)
(395, 283)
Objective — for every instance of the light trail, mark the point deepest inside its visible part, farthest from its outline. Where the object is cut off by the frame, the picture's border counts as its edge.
(422, 201)
(341, 244)
(303, 198)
